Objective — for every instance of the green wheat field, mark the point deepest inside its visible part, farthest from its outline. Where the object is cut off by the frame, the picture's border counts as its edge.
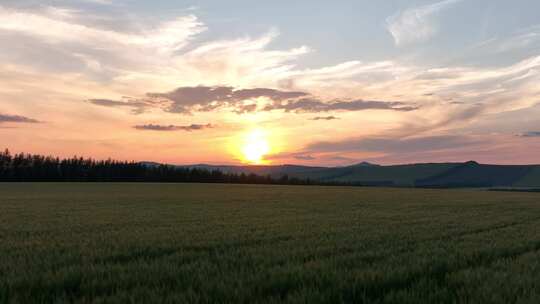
(217, 243)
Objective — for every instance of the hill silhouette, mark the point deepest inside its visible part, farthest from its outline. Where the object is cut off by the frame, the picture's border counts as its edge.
(445, 175)
(26, 167)
(473, 174)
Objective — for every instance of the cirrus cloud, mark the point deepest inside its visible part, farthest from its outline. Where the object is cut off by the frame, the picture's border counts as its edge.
(416, 24)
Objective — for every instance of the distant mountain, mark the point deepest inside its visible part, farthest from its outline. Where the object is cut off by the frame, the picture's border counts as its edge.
(399, 175)
(469, 174)
(365, 164)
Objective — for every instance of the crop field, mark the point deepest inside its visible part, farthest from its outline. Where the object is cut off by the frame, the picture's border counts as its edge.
(216, 243)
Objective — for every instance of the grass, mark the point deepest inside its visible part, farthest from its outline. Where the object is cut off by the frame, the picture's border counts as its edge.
(198, 243)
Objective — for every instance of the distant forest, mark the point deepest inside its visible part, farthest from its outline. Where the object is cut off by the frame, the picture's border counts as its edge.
(37, 168)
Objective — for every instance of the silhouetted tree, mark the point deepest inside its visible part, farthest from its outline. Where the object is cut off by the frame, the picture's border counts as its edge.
(27, 168)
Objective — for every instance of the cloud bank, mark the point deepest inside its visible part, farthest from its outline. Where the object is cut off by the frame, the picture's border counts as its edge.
(204, 98)
(186, 100)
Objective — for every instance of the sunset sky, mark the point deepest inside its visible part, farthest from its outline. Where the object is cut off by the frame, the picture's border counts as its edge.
(272, 82)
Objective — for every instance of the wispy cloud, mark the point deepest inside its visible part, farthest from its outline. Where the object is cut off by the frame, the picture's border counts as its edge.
(416, 24)
(189, 128)
(137, 106)
(169, 36)
(99, 47)
(247, 60)
(522, 39)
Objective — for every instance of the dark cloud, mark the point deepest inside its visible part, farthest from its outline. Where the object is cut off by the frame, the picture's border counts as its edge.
(314, 105)
(241, 109)
(109, 103)
(304, 157)
(193, 127)
(184, 99)
(16, 119)
(324, 118)
(205, 98)
(269, 93)
(530, 134)
(137, 106)
(394, 145)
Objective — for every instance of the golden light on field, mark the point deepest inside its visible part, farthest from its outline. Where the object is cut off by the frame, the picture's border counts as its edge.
(255, 147)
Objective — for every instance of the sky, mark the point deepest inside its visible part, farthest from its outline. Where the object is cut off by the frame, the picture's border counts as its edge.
(326, 83)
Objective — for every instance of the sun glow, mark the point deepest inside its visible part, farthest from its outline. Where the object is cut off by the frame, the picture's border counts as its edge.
(255, 147)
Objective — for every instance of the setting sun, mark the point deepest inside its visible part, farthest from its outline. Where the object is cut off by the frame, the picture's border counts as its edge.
(255, 147)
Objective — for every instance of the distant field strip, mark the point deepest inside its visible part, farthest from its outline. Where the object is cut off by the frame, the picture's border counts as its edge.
(218, 243)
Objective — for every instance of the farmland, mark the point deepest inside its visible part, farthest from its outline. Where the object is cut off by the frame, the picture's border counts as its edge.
(208, 243)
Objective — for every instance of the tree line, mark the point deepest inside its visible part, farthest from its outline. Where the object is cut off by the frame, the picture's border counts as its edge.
(38, 168)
